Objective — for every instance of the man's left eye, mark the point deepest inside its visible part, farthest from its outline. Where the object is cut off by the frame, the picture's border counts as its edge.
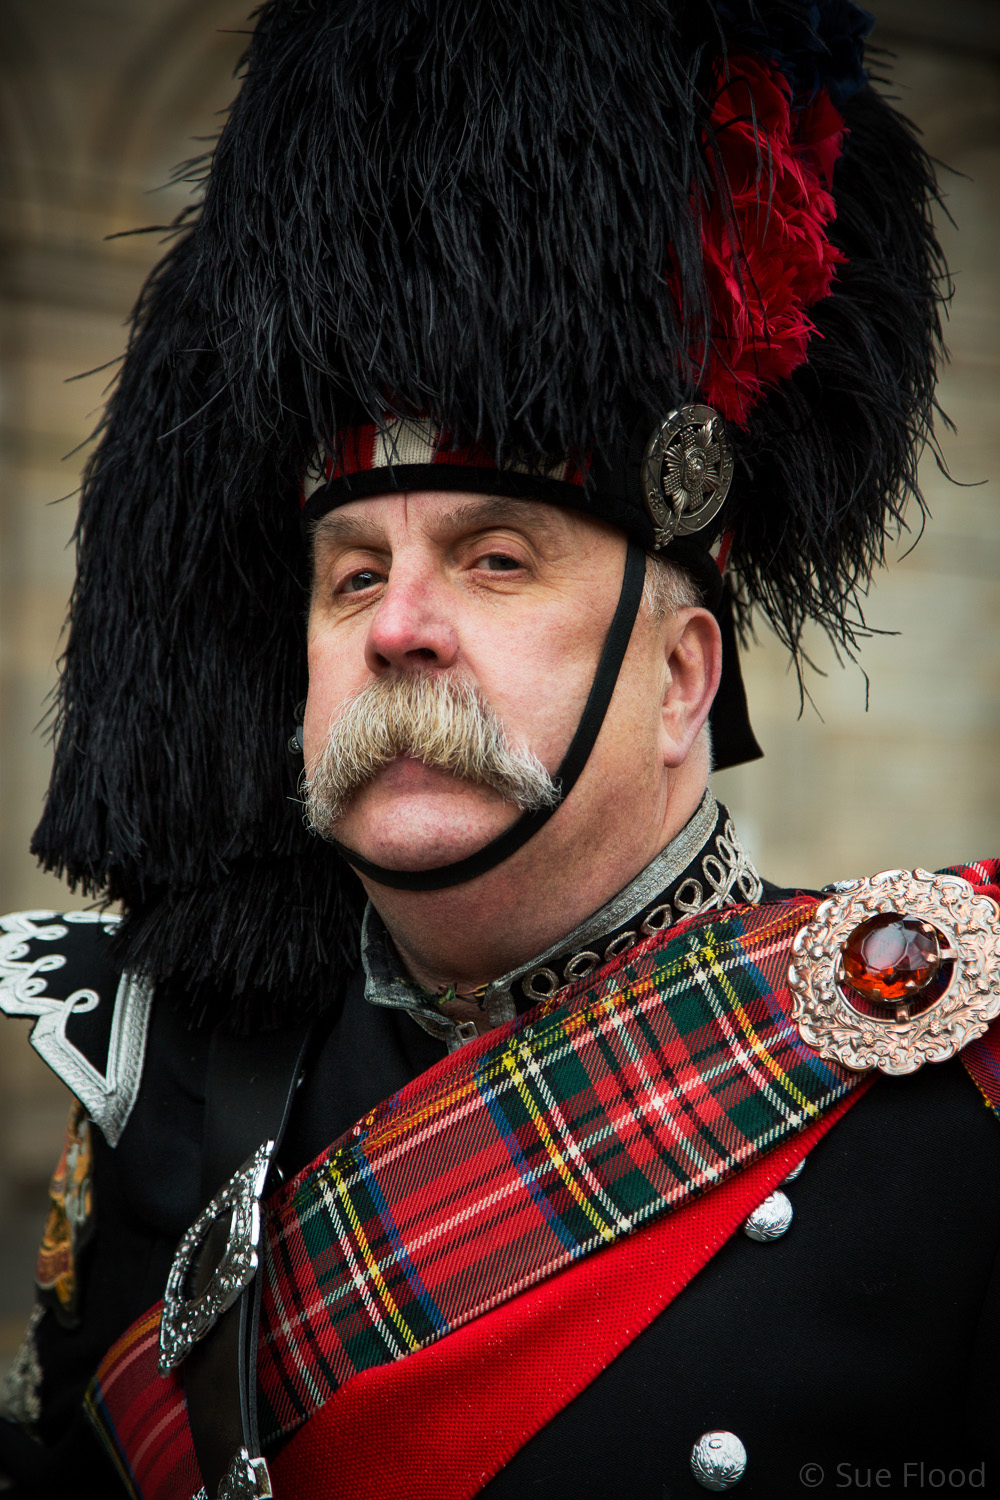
(499, 562)
(365, 579)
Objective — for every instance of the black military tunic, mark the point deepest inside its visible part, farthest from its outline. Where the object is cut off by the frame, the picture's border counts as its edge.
(859, 1343)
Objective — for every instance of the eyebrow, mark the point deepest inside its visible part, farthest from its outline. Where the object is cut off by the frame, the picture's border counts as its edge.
(347, 530)
(488, 510)
(358, 529)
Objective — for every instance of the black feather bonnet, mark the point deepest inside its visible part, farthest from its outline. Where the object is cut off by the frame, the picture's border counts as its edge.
(498, 212)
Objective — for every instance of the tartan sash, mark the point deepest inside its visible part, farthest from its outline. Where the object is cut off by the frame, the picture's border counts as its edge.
(440, 1424)
(534, 1147)
(982, 1057)
(559, 1134)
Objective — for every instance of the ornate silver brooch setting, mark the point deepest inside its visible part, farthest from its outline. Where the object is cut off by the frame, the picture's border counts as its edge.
(687, 469)
(185, 1318)
(897, 970)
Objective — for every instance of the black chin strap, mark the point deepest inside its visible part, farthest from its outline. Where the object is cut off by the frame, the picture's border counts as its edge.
(573, 762)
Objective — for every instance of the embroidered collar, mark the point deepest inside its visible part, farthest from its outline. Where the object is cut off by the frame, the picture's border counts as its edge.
(704, 868)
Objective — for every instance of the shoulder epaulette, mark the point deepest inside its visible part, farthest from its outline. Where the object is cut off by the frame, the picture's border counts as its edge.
(92, 1018)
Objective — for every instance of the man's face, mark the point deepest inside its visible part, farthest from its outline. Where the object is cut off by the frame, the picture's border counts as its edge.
(514, 598)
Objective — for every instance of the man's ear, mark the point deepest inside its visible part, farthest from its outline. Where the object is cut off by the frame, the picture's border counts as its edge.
(693, 648)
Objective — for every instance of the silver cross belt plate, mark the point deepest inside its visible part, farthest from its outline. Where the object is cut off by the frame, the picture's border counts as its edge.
(186, 1319)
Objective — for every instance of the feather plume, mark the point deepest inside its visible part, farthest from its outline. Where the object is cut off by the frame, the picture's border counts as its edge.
(466, 207)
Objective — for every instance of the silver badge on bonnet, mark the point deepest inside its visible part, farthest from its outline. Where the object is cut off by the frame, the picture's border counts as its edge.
(687, 470)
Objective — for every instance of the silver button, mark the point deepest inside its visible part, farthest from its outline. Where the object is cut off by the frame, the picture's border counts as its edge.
(793, 1173)
(718, 1460)
(770, 1220)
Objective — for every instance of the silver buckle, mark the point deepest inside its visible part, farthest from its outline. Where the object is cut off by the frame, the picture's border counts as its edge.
(185, 1320)
(968, 1002)
(246, 1479)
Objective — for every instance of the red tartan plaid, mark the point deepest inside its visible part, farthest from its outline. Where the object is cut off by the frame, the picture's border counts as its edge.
(643, 1085)
(982, 1057)
(397, 1432)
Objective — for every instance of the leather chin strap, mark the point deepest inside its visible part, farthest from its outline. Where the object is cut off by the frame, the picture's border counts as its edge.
(528, 824)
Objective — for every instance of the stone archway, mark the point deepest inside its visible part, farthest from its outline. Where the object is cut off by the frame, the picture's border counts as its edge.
(99, 99)
(96, 100)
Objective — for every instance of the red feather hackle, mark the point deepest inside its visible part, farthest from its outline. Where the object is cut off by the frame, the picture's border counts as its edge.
(767, 255)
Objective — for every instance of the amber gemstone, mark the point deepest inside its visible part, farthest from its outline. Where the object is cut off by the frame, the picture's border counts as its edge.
(891, 957)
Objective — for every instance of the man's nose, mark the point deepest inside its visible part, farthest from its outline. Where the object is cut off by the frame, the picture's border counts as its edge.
(412, 626)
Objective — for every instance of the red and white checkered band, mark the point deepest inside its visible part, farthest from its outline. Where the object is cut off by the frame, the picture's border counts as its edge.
(415, 444)
(720, 549)
(416, 441)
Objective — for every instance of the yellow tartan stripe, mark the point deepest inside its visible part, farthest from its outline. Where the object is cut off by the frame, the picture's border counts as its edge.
(459, 1091)
(104, 1433)
(105, 1430)
(709, 953)
(555, 1155)
(129, 1338)
(398, 1126)
(388, 1302)
(986, 1098)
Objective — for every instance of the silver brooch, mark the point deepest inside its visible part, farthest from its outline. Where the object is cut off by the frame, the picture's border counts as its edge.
(185, 1319)
(897, 970)
(687, 469)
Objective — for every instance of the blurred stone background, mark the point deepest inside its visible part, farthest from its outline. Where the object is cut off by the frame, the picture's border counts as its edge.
(99, 99)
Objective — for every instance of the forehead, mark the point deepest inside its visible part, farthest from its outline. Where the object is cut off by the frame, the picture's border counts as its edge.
(440, 514)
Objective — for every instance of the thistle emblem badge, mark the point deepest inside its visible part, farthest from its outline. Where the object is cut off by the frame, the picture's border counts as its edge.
(687, 469)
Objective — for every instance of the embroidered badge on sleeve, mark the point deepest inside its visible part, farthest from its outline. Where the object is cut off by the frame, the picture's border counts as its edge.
(38, 979)
(70, 1224)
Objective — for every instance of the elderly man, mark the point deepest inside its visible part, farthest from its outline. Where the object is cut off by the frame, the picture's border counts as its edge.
(443, 621)
(445, 1084)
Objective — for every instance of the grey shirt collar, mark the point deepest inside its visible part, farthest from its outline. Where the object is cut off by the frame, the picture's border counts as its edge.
(726, 875)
